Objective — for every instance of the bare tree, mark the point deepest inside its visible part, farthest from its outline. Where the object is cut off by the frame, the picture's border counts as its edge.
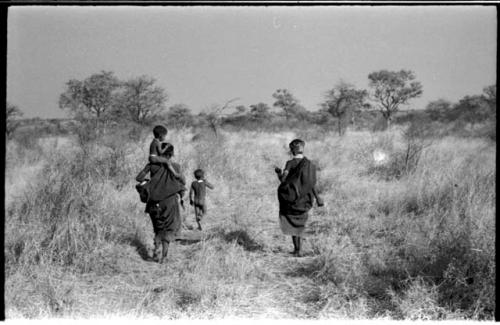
(214, 116)
(140, 100)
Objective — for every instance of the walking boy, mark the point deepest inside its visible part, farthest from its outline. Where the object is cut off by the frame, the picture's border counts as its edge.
(197, 194)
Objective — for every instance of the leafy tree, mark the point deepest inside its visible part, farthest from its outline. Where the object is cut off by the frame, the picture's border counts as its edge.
(12, 113)
(179, 114)
(140, 100)
(286, 101)
(92, 97)
(392, 89)
(240, 109)
(341, 100)
(473, 109)
(438, 109)
(300, 112)
(260, 111)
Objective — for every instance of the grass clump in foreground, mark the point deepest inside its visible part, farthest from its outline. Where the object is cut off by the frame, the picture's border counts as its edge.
(412, 240)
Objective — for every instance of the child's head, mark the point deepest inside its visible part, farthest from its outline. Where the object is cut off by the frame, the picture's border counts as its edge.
(169, 152)
(297, 146)
(160, 132)
(199, 174)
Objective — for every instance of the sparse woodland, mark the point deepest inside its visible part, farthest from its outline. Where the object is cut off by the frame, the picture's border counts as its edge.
(407, 232)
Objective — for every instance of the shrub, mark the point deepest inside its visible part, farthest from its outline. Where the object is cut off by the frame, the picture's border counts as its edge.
(28, 147)
(419, 301)
(445, 234)
(66, 220)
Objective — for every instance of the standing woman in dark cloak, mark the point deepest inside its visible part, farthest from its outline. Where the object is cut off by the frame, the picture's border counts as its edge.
(165, 189)
(296, 194)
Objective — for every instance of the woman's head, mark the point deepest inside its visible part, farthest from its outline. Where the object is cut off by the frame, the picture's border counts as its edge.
(169, 152)
(297, 146)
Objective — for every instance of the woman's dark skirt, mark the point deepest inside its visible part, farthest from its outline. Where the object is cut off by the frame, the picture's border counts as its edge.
(166, 217)
(293, 224)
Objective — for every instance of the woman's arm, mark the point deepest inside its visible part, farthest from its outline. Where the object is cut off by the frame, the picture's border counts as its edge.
(158, 160)
(141, 177)
(282, 174)
(191, 195)
(177, 172)
(319, 200)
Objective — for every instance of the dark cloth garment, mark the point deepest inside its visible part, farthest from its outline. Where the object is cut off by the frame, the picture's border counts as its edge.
(298, 220)
(163, 205)
(142, 187)
(296, 191)
(163, 183)
(166, 218)
(143, 174)
(143, 192)
(293, 224)
(174, 184)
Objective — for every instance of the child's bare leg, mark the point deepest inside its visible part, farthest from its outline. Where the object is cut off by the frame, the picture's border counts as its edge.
(198, 221)
(199, 214)
(164, 254)
(157, 249)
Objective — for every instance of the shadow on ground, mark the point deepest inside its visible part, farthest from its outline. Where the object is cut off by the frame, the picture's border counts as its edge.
(141, 249)
(189, 236)
(304, 267)
(243, 239)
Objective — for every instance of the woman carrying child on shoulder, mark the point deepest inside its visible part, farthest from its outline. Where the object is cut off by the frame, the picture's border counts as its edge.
(163, 191)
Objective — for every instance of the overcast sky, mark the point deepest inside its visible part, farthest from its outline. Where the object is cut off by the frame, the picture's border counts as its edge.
(207, 55)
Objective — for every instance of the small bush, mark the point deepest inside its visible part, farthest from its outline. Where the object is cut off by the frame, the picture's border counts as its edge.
(28, 147)
(419, 301)
(65, 220)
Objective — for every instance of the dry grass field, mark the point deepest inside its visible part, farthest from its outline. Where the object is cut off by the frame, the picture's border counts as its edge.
(397, 239)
